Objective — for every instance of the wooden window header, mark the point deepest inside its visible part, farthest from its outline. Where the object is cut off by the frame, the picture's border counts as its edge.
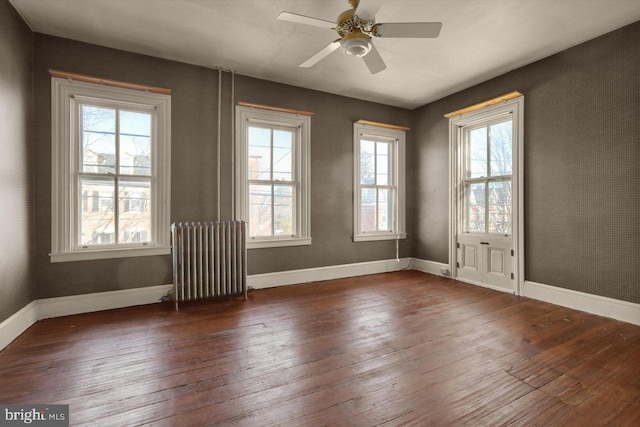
(475, 107)
(108, 82)
(382, 125)
(280, 109)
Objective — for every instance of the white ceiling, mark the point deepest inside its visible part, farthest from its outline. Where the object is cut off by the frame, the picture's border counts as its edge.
(480, 39)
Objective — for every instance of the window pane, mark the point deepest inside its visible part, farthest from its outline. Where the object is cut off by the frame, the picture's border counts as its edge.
(135, 143)
(368, 210)
(367, 162)
(97, 218)
(500, 207)
(259, 153)
(474, 208)
(98, 130)
(500, 148)
(477, 152)
(282, 155)
(283, 210)
(385, 210)
(135, 211)
(383, 162)
(260, 203)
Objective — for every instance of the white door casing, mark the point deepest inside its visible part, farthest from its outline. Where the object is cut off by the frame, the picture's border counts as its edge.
(492, 260)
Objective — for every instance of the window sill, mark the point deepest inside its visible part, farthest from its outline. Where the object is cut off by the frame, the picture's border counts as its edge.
(375, 237)
(277, 243)
(106, 254)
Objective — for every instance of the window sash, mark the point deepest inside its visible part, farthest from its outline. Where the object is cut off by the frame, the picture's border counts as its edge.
(485, 180)
(116, 176)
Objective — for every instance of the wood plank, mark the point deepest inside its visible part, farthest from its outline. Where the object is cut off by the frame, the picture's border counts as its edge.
(487, 103)
(382, 125)
(109, 82)
(279, 109)
(385, 349)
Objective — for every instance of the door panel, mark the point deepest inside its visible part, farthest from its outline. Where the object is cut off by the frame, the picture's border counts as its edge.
(470, 260)
(496, 261)
(499, 263)
(485, 260)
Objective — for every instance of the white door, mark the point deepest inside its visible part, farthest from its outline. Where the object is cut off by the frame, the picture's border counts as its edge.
(484, 230)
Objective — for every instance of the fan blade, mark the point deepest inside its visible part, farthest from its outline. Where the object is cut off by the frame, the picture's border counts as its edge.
(374, 61)
(428, 30)
(367, 9)
(321, 55)
(307, 20)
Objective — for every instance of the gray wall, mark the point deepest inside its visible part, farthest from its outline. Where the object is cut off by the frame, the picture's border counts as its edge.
(193, 169)
(582, 166)
(16, 162)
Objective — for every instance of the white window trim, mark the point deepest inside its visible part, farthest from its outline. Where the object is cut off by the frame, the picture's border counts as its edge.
(63, 203)
(247, 115)
(399, 136)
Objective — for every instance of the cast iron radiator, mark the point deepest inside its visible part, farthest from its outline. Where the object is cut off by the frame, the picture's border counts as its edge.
(209, 260)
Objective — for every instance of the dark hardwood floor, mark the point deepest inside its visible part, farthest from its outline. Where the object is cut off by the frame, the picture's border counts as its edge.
(403, 348)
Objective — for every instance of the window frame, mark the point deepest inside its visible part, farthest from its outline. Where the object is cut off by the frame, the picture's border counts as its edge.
(245, 117)
(66, 201)
(397, 138)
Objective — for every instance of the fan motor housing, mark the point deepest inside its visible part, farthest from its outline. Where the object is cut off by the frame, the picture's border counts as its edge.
(348, 22)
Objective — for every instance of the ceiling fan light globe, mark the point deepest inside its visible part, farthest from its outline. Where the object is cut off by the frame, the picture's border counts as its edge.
(357, 47)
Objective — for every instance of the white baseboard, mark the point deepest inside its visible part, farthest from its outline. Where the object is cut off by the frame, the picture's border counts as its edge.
(595, 304)
(293, 277)
(17, 323)
(431, 267)
(36, 310)
(87, 303)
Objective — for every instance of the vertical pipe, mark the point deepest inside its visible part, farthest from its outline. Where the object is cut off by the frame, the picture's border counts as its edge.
(219, 133)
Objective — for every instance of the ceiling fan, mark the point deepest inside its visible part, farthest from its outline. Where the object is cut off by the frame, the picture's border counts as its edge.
(357, 27)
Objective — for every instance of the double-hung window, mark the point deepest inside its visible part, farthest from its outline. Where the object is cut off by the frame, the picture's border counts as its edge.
(487, 176)
(272, 188)
(379, 200)
(110, 171)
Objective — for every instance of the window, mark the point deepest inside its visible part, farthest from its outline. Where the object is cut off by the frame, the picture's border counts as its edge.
(487, 177)
(272, 185)
(379, 204)
(111, 171)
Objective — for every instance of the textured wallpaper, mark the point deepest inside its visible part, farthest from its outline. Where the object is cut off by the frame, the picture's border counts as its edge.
(582, 166)
(16, 163)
